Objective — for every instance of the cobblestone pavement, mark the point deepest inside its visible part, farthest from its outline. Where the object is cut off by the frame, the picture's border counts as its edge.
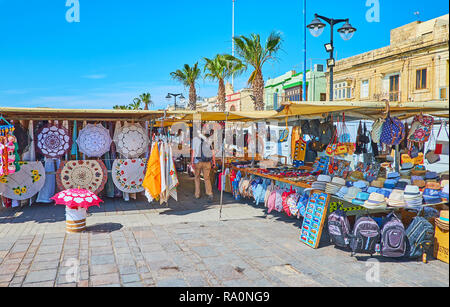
(137, 244)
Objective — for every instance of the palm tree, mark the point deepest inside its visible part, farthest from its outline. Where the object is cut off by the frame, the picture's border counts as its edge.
(136, 105)
(220, 68)
(251, 51)
(117, 107)
(188, 77)
(144, 98)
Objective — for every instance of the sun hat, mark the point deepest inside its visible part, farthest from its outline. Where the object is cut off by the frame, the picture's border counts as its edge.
(390, 183)
(411, 191)
(375, 201)
(362, 184)
(443, 222)
(338, 181)
(419, 170)
(393, 175)
(444, 183)
(407, 166)
(444, 192)
(352, 193)
(401, 185)
(433, 186)
(372, 190)
(431, 176)
(431, 196)
(419, 183)
(360, 198)
(342, 192)
(396, 199)
(377, 183)
(324, 178)
(445, 176)
(356, 175)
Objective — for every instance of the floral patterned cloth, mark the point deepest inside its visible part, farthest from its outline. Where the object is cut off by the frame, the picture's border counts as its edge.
(53, 141)
(128, 174)
(131, 140)
(25, 183)
(94, 140)
(83, 174)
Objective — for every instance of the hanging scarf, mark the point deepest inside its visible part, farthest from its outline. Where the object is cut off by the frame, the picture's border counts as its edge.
(152, 180)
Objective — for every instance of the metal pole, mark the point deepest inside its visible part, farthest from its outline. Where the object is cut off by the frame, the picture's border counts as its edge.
(304, 51)
(232, 44)
(223, 167)
(331, 57)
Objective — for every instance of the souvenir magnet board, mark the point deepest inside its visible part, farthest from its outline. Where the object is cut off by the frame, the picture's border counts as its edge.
(315, 215)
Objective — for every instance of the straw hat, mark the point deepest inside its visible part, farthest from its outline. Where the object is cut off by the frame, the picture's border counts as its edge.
(442, 222)
(375, 201)
(352, 193)
(396, 199)
(444, 183)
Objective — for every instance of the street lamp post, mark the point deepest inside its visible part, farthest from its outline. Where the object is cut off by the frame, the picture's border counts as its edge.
(170, 95)
(316, 28)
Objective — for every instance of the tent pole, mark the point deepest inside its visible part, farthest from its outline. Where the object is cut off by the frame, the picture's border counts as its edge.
(223, 168)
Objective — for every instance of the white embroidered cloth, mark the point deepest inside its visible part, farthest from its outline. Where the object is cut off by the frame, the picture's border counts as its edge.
(131, 140)
(53, 141)
(128, 175)
(25, 183)
(94, 140)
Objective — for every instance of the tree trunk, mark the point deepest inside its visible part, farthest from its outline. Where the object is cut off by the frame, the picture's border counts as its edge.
(221, 96)
(192, 98)
(258, 91)
(146, 106)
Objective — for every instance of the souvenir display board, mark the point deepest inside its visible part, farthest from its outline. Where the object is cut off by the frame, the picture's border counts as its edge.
(315, 215)
(83, 174)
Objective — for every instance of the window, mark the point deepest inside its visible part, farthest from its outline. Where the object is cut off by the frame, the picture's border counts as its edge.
(365, 89)
(443, 93)
(421, 79)
(394, 88)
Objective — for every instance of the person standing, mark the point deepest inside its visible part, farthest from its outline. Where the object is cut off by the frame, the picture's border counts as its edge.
(202, 159)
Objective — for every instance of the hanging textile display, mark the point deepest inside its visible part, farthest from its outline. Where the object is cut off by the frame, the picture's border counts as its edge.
(83, 174)
(131, 140)
(53, 141)
(30, 153)
(152, 180)
(23, 138)
(128, 174)
(172, 178)
(25, 183)
(94, 140)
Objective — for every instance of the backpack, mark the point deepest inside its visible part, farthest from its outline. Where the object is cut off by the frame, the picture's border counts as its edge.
(393, 237)
(366, 235)
(420, 234)
(421, 129)
(339, 228)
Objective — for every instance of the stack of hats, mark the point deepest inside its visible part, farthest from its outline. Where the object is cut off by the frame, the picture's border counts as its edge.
(442, 222)
(431, 177)
(356, 175)
(432, 193)
(375, 201)
(396, 198)
(385, 192)
(401, 185)
(406, 169)
(378, 183)
(352, 193)
(413, 197)
(418, 181)
(444, 191)
(390, 184)
(419, 170)
(321, 182)
(342, 192)
(360, 199)
(361, 184)
(393, 175)
(334, 186)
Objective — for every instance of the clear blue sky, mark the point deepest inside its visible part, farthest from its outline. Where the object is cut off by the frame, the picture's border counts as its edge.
(123, 48)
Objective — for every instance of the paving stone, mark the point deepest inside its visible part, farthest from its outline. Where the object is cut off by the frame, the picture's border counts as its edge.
(105, 279)
(41, 276)
(99, 269)
(130, 278)
(102, 259)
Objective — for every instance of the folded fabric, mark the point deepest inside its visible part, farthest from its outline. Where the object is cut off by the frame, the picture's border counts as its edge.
(431, 176)
(390, 184)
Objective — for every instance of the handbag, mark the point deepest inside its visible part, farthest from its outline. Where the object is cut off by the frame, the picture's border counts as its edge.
(442, 147)
(376, 130)
(327, 131)
(431, 155)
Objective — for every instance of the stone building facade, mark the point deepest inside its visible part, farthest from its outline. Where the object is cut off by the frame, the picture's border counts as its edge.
(413, 68)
